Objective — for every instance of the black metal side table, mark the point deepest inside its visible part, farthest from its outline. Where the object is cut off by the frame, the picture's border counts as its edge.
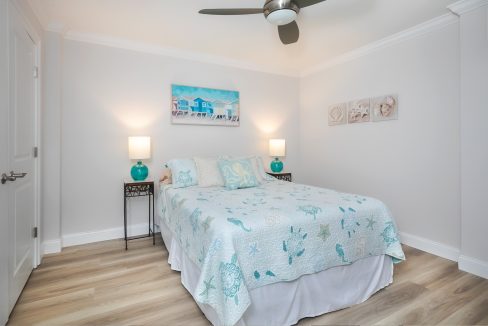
(285, 176)
(139, 189)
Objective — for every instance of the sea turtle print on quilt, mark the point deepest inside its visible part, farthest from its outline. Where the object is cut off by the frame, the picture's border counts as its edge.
(247, 238)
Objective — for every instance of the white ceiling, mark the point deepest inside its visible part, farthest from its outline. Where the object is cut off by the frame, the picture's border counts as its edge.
(327, 29)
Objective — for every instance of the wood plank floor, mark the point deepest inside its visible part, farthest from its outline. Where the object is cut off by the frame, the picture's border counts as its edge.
(102, 284)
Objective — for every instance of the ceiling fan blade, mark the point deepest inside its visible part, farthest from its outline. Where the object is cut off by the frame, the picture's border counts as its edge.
(306, 3)
(289, 33)
(232, 11)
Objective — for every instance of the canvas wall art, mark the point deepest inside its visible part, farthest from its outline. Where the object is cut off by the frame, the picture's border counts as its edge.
(338, 114)
(385, 108)
(358, 111)
(204, 106)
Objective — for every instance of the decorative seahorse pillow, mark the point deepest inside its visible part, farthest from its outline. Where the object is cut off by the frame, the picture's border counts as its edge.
(238, 174)
(183, 172)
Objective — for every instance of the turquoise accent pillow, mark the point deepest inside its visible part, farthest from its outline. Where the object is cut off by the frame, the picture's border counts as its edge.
(183, 172)
(238, 174)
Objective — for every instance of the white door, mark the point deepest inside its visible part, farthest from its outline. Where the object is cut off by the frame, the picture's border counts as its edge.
(21, 142)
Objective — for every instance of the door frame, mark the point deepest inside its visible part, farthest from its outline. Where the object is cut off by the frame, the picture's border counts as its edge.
(15, 9)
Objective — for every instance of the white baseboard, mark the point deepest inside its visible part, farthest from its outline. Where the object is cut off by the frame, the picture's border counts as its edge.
(465, 263)
(51, 246)
(103, 235)
(432, 247)
(473, 266)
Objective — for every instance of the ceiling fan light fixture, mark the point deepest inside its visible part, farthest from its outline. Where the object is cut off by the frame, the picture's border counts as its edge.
(282, 13)
(282, 17)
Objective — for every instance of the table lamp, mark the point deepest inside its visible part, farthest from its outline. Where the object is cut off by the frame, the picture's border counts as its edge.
(139, 149)
(276, 150)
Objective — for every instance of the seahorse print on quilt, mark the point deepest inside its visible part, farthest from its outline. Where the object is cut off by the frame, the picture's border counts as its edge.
(194, 219)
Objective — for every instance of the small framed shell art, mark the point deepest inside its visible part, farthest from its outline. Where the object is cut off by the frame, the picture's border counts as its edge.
(359, 111)
(381, 108)
(385, 108)
(338, 114)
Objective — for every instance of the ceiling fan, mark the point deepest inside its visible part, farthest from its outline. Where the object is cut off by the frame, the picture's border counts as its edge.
(278, 12)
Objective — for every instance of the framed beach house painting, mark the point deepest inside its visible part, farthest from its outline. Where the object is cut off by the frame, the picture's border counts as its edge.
(204, 106)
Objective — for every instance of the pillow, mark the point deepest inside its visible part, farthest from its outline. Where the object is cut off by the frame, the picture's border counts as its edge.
(183, 172)
(262, 171)
(238, 174)
(208, 172)
(254, 164)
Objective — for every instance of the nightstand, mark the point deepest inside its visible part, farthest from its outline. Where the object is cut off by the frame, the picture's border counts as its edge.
(139, 189)
(285, 176)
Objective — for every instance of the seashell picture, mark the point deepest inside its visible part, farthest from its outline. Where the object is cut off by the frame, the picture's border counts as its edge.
(358, 111)
(385, 108)
(338, 114)
(382, 108)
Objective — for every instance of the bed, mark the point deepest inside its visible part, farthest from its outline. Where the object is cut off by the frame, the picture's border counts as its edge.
(279, 252)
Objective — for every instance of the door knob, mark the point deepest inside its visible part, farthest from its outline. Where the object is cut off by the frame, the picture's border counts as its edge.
(12, 177)
(6, 178)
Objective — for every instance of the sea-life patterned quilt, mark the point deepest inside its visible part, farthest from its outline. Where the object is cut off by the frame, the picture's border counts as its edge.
(247, 238)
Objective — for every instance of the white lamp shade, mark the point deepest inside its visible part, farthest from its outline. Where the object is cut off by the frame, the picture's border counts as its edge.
(139, 148)
(277, 147)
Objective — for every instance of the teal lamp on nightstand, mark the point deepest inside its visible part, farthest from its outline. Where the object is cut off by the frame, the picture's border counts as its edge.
(277, 148)
(139, 149)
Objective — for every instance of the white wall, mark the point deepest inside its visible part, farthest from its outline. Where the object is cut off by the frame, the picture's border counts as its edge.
(412, 164)
(474, 139)
(4, 95)
(109, 94)
(50, 148)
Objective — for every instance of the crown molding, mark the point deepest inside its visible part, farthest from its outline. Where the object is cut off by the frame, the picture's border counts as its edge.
(463, 6)
(173, 52)
(457, 8)
(410, 33)
(56, 28)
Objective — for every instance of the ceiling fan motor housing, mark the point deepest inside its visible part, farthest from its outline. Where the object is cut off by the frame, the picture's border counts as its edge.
(280, 12)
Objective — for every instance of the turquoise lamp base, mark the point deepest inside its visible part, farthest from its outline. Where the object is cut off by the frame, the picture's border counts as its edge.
(276, 166)
(139, 172)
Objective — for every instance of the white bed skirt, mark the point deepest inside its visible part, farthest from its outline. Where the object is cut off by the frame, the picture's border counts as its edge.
(285, 303)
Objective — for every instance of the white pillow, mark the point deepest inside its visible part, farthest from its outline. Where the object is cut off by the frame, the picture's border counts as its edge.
(262, 171)
(208, 172)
